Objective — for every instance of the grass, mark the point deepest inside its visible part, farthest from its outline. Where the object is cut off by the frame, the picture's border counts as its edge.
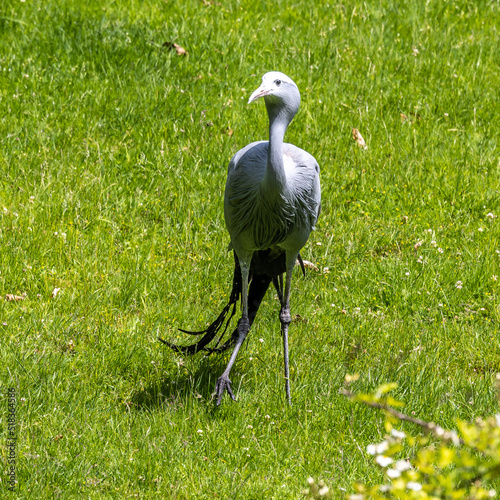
(113, 155)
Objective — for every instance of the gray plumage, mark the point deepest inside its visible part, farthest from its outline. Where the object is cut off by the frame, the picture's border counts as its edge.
(272, 201)
(257, 211)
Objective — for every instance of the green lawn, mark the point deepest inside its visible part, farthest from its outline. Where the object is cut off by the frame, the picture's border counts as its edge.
(113, 158)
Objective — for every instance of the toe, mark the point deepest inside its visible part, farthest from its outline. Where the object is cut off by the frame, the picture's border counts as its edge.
(223, 384)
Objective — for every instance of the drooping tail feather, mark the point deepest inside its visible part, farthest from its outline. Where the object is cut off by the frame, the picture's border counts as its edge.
(258, 288)
(267, 266)
(214, 327)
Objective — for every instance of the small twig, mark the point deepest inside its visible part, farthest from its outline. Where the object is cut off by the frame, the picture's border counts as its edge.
(430, 427)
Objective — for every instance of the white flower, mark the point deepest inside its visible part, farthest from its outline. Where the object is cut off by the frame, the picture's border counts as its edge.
(199, 431)
(411, 485)
(433, 243)
(381, 447)
(323, 491)
(384, 461)
(393, 473)
(377, 449)
(402, 465)
(490, 215)
(398, 434)
(480, 229)
(494, 278)
(440, 250)
(458, 285)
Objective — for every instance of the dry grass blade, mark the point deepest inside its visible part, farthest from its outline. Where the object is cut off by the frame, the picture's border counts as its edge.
(174, 46)
(14, 298)
(356, 135)
(310, 265)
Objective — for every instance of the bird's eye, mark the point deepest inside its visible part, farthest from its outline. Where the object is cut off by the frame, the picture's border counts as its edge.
(277, 82)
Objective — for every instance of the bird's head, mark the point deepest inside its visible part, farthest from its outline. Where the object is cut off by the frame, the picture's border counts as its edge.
(278, 91)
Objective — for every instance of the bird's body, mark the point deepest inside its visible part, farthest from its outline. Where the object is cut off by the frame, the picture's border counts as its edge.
(272, 201)
(261, 214)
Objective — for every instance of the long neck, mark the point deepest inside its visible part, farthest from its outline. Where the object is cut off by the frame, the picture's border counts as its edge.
(275, 178)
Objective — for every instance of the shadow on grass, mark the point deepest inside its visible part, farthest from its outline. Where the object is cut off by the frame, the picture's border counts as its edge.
(183, 388)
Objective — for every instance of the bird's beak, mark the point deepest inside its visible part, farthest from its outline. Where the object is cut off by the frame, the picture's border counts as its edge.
(260, 92)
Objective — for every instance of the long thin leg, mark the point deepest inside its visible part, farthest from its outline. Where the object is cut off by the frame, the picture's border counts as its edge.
(223, 382)
(286, 319)
(287, 363)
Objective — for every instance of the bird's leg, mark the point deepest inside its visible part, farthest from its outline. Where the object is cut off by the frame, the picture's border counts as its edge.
(286, 319)
(223, 382)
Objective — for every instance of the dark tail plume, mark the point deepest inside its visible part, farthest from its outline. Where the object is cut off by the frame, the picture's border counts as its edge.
(215, 327)
(267, 266)
(257, 291)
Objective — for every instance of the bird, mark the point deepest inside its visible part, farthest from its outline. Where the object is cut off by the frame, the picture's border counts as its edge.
(272, 201)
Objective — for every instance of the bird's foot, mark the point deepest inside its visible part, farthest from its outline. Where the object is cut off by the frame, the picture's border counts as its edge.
(223, 384)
